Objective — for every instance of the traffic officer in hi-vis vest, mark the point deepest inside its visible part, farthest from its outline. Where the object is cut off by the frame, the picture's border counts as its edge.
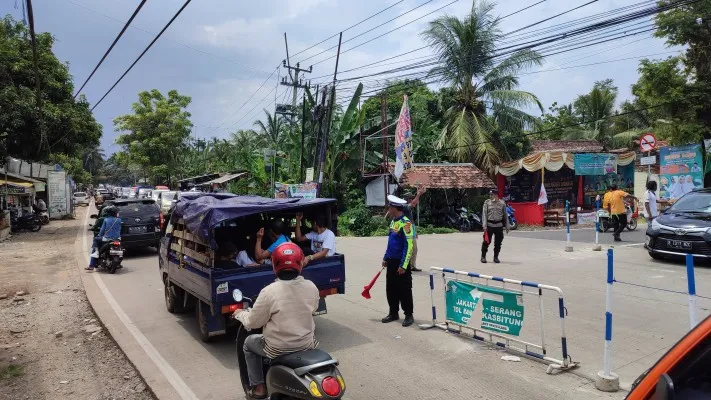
(398, 284)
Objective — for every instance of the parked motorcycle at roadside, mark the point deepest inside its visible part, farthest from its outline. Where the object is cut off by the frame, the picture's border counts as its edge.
(511, 213)
(606, 222)
(29, 222)
(43, 216)
(305, 375)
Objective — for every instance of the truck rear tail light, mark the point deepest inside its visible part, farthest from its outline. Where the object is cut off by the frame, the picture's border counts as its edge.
(161, 220)
(232, 308)
(327, 292)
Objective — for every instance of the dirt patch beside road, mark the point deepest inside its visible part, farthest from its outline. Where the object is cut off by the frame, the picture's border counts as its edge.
(51, 344)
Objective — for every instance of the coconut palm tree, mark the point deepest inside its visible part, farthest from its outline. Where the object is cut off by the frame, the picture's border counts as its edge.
(486, 100)
(273, 129)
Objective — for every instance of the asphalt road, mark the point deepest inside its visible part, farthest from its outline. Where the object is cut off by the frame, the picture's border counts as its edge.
(388, 361)
(586, 235)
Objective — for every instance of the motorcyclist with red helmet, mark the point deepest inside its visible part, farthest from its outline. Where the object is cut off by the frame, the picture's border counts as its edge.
(285, 310)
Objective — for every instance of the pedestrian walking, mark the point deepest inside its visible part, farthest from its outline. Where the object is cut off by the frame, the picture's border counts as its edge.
(412, 203)
(614, 202)
(495, 221)
(651, 202)
(398, 277)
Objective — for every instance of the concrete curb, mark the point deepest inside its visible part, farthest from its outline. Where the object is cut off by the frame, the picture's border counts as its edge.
(154, 378)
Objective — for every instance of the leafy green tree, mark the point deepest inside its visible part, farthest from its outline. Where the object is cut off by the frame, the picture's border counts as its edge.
(273, 128)
(68, 125)
(689, 25)
(486, 99)
(157, 133)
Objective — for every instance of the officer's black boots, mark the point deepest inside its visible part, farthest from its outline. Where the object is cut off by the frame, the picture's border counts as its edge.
(390, 318)
(408, 321)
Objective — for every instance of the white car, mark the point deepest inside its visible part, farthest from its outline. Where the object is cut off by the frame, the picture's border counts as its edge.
(81, 198)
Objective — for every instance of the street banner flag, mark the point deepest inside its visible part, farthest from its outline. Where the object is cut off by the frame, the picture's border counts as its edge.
(542, 197)
(403, 141)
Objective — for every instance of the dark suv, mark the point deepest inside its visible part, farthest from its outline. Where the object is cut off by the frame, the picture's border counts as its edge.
(685, 228)
(141, 222)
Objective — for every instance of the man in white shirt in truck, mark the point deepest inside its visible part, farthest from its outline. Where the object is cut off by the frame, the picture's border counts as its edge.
(323, 240)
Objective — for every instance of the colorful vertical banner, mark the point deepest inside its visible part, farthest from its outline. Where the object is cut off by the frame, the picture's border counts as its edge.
(595, 164)
(403, 141)
(680, 171)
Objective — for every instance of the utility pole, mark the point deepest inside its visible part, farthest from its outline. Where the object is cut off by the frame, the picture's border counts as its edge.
(383, 135)
(302, 178)
(329, 115)
(290, 111)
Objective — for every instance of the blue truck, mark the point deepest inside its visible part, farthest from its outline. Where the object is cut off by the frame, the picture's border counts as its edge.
(195, 279)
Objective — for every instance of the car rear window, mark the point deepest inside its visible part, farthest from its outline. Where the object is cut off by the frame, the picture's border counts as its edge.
(168, 195)
(79, 194)
(137, 209)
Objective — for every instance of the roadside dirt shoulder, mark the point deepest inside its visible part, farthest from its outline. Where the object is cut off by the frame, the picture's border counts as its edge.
(51, 342)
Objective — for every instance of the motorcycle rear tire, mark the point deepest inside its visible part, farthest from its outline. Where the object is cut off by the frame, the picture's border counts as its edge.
(44, 220)
(513, 225)
(113, 265)
(36, 227)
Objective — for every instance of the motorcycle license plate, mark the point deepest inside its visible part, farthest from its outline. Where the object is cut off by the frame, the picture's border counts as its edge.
(116, 252)
(137, 229)
(679, 244)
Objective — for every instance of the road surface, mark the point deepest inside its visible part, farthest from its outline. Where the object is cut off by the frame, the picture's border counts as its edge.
(388, 361)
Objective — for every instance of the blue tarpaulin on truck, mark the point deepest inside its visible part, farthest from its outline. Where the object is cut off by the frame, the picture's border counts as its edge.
(203, 211)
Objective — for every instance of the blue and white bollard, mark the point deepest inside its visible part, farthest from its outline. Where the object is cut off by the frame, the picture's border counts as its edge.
(691, 281)
(568, 245)
(597, 246)
(606, 380)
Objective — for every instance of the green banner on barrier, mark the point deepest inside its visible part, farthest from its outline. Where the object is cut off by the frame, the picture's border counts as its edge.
(502, 309)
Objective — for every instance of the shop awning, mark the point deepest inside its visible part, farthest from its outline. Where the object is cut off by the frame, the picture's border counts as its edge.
(552, 161)
(15, 184)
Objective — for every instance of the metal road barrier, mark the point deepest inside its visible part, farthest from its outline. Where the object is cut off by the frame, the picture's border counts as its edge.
(502, 312)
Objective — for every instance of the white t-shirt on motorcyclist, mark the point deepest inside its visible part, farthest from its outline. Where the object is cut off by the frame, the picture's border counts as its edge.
(320, 241)
(651, 199)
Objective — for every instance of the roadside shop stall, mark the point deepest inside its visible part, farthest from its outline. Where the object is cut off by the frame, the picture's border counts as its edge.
(554, 166)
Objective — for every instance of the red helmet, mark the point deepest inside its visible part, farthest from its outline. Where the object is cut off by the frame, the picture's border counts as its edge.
(287, 256)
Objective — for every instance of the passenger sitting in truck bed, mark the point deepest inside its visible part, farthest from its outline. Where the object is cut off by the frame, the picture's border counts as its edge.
(275, 232)
(246, 258)
(323, 240)
(226, 253)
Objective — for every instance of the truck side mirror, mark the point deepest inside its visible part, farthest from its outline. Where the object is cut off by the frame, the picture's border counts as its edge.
(664, 389)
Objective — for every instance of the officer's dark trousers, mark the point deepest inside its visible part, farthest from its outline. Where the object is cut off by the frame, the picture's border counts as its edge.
(398, 288)
(496, 235)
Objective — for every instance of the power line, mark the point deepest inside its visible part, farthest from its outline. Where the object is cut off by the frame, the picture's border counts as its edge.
(368, 31)
(143, 53)
(388, 32)
(125, 26)
(168, 39)
(349, 28)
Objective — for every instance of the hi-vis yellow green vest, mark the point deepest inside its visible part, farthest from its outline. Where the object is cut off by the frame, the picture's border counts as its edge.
(400, 241)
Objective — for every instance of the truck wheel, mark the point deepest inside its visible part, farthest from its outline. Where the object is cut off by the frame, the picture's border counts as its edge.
(202, 322)
(173, 297)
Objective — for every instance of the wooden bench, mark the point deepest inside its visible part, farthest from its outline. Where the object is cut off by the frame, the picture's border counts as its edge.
(557, 217)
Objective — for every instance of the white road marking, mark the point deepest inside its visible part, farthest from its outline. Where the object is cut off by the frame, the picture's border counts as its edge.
(168, 372)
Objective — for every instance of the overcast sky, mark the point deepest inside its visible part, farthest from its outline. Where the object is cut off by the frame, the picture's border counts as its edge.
(220, 51)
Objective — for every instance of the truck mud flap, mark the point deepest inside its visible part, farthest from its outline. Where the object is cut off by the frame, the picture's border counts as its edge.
(321, 307)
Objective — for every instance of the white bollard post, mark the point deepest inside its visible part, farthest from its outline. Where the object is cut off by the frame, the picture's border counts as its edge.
(597, 246)
(691, 281)
(568, 245)
(606, 380)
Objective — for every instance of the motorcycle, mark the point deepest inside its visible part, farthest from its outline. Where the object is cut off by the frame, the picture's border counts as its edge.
(110, 256)
(43, 216)
(30, 222)
(605, 222)
(510, 212)
(304, 375)
(461, 219)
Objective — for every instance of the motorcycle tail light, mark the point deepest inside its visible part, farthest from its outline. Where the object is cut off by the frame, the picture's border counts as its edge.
(161, 220)
(116, 243)
(331, 386)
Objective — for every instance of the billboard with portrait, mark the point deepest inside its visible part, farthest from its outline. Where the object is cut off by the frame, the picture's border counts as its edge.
(680, 171)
